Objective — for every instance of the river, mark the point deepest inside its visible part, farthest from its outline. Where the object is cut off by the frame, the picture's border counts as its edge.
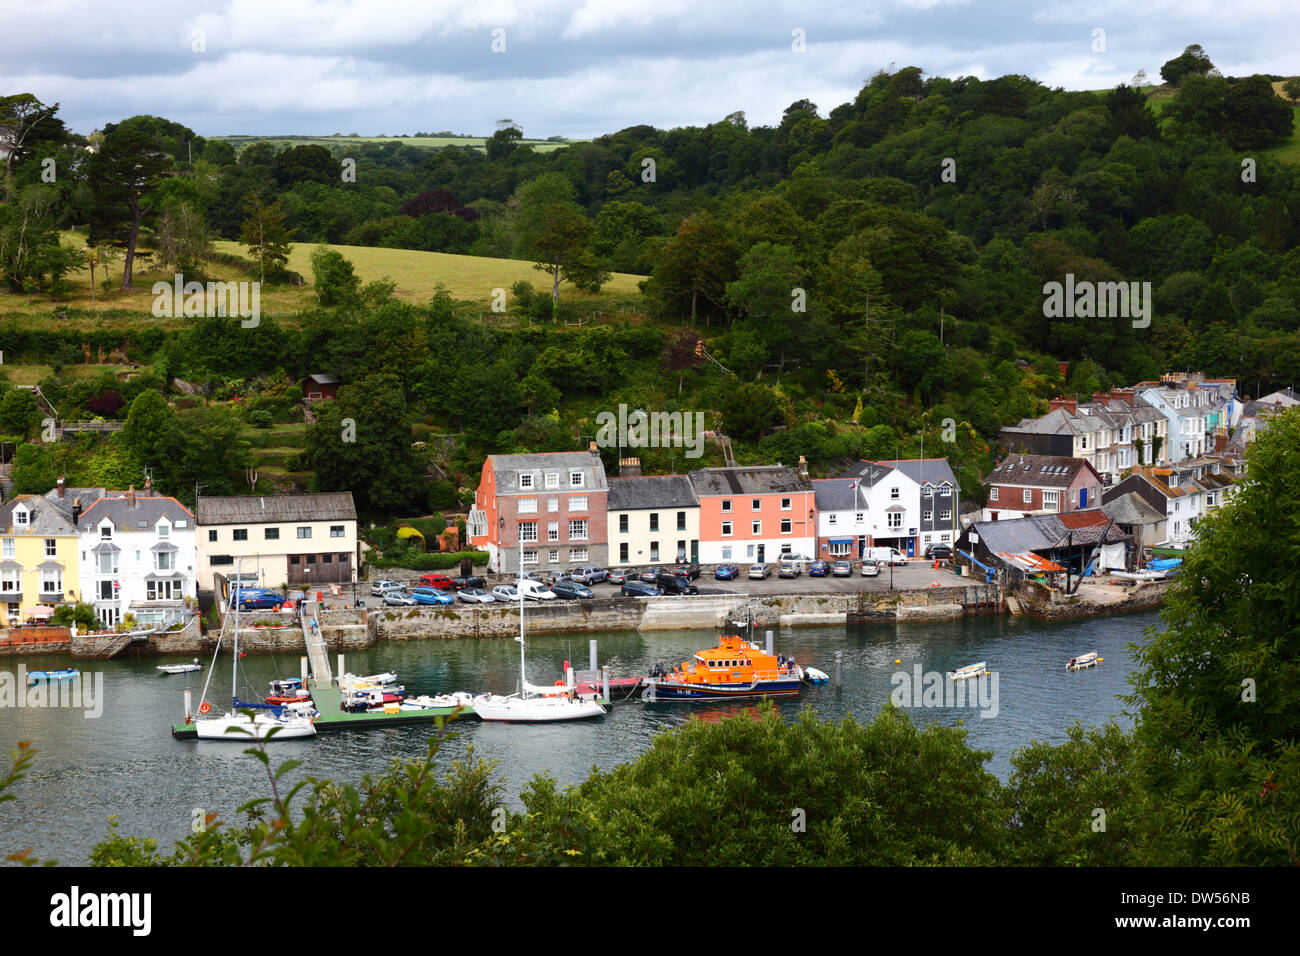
(126, 762)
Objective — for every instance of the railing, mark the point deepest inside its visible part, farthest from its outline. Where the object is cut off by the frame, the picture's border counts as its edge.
(60, 427)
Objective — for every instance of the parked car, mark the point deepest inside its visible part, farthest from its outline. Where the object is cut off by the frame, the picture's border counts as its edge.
(379, 587)
(758, 572)
(439, 581)
(589, 575)
(676, 584)
(505, 592)
(791, 558)
(473, 581)
(649, 575)
(535, 591)
(476, 596)
(842, 569)
(818, 569)
(432, 596)
(725, 572)
(571, 590)
(398, 598)
(788, 569)
(639, 589)
(938, 552)
(255, 599)
(870, 569)
(688, 571)
(620, 575)
(529, 576)
(886, 555)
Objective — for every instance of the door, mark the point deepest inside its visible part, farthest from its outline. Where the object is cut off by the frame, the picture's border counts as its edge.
(695, 551)
(761, 559)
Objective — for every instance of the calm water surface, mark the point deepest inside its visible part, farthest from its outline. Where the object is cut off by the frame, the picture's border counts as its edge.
(126, 762)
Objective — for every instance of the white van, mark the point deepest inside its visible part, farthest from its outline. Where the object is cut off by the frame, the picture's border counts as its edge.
(535, 590)
(885, 556)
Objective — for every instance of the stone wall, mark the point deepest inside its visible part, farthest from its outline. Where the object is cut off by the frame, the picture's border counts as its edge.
(29, 641)
(1040, 601)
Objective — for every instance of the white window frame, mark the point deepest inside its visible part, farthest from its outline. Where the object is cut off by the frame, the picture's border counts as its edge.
(528, 531)
(577, 554)
(8, 547)
(756, 527)
(577, 502)
(895, 520)
(552, 480)
(726, 529)
(993, 493)
(552, 531)
(726, 506)
(527, 506)
(1027, 495)
(577, 479)
(578, 530)
(525, 482)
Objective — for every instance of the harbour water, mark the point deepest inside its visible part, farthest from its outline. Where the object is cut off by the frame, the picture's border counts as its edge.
(125, 762)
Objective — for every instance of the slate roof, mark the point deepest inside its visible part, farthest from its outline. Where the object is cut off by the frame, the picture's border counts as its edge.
(1038, 471)
(1132, 508)
(507, 468)
(44, 517)
(837, 494)
(149, 510)
(870, 472)
(1045, 532)
(324, 378)
(924, 471)
(646, 492)
(269, 509)
(748, 480)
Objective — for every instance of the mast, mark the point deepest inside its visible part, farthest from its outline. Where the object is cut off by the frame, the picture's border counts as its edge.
(523, 677)
(234, 658)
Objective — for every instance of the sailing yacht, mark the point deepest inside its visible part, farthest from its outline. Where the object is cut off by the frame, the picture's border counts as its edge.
(238, 726)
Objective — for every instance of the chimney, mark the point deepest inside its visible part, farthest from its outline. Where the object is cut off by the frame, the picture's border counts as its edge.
(1128, 395)
(60, 486)
(1065, 367)
(1071, 405)
(76, 506)
(1220, 439)
(1100, 397)
(629, 467)
(803, 467)
(591, 447)
(130, 497)
(148, 487)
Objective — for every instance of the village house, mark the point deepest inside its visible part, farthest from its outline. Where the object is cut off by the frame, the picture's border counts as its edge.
(755, 513)
(1183, 493)
(39, 557)
(652, 518)
(299, 540)
(553, 504)
(321, 385)
(1024, 485)
(1146, 525)
(912, 503)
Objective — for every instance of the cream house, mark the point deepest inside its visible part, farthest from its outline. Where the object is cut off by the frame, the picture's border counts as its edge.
(653, 520)
(294, 540)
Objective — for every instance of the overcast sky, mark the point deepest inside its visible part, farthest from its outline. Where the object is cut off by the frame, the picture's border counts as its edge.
(578, 68)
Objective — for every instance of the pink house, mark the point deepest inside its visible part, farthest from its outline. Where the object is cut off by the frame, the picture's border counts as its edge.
(755, 514)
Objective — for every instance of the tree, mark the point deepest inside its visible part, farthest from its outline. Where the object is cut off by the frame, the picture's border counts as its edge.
(266, 236)
(1219, 686)
(19, 413)
(696, 263)
(151, 435)
(21, 117)
(766, 293)
(183, 238)
(1292, 88)
(335, 281)
(123, 177)
(750, 409)
(30, 253)
(1193, 61)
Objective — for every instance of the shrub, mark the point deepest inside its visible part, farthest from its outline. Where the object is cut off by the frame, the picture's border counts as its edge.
(260, 419)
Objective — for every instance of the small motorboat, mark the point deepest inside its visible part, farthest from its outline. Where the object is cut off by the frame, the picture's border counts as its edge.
(425, 702)
(1083, 661)
(814, 676)
(287, 691)
(35, 677)
(180, 668)
(970, 670)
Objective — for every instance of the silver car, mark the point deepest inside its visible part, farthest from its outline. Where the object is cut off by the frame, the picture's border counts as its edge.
(476, 596)
(505, 592)
(379, 587)
(758, 572)
(398, 598)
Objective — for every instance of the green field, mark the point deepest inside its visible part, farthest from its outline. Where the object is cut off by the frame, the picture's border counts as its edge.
(420, 142)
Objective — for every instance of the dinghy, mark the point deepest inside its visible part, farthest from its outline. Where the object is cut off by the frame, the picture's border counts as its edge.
(1084, 660)
(34, 677)
(970, 670)
(181, 668)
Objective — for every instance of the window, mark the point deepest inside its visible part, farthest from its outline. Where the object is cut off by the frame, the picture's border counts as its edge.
(20, 517)
(622, 553)
(893, 494)
(105, 564)
(295, 560)
(577, 554)
(52, 582)
(993, 494)
(552, 504)
(106, 533)
(343, 558)
(304, 533)
(945, 537)
(945, 491)
(654, 550)
(927, 492)
(1050, 500)
(528, 531)
(311, 559)
(223, 559)
(212, 536)
(726, 553)
(945, 515)
(530, 557)
(895, 520)
(164, 531)
(860, 517)
(839, 548)
(553, 531)
(575, 479)
(552, 480)
(787, 526)
(164, 561)
(528, 506)
(831, 519)
(726, 529)
(726, 504)
(681, 521)
(1027, 495)
(578, 530)
(749, 551)
(577, 502)
(105, 590)
(654, 521)
(757, 504)
(336, 531)
(622, 524)
(553, 556)
(51, 547)
(272, 534)
(756, 527)
(525, 482)
(163, 591)
(8, 547)
(11, 581)
(785, 504)
(927, 515)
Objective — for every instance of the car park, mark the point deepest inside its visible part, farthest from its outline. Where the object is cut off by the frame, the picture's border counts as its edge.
(886, 556)
(619, 575)
(757, 572)
(639, 589)
(396, 598)
(649, 575)
(535, 591)
(379, 587)
(725, 572)
(870, 569)
(589, 576)
(475, 596)
(788, 569)
(818, 569)
(842, 569)
(505, 592)
(676, 584)
(688, 571)
(424, 595)
(571, 590)
(473, 581)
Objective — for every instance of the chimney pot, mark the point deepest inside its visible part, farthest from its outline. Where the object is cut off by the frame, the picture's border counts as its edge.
(60, 486)
(803, 466)
(130, 496)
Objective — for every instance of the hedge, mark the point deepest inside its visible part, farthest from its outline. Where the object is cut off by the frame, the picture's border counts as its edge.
(439, 561)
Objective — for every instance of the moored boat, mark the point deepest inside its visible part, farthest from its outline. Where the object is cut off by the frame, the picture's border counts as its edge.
(1084, 660)
(180, 668)
(69, 673)
(970, 670)
(736, 668)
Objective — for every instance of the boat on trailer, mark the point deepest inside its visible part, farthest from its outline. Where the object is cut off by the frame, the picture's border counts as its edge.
(1084, 661)
(970, 670)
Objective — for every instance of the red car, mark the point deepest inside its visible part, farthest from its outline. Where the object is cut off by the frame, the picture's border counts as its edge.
(439, 581)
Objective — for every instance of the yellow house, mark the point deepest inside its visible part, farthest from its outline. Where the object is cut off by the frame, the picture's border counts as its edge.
(39, 552)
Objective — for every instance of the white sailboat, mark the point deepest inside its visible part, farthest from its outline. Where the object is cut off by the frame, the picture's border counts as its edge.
(241, 727)
(534, 704)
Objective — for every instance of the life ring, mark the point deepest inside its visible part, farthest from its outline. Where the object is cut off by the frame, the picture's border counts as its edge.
(278, 606)
(560, 683)
(204, 707)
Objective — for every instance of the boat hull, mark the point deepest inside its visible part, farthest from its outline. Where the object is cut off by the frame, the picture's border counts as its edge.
(971, 670)
(34, 677)
(658, 690)
(534, 710)
(242, 729)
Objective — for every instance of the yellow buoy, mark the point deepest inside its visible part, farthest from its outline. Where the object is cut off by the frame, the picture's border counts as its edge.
(898, 662)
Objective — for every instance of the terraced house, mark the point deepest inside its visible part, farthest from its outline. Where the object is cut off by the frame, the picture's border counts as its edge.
(653, 519)
(1024, 485)
(550, 506)
(756, 513)
(39, 557)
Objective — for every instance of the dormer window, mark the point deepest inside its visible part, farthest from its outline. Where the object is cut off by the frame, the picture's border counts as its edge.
(552, 479)
(525, 481)
(106, 533)
(20, 517)
(575, 479)
(164, 531)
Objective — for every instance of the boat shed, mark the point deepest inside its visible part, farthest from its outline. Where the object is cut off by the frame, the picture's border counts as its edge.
(1047, 544)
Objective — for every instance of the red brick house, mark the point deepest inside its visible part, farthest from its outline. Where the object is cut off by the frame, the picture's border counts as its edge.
(1024, 485)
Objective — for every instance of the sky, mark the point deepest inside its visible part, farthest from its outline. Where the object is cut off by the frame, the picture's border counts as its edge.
(578, 68)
